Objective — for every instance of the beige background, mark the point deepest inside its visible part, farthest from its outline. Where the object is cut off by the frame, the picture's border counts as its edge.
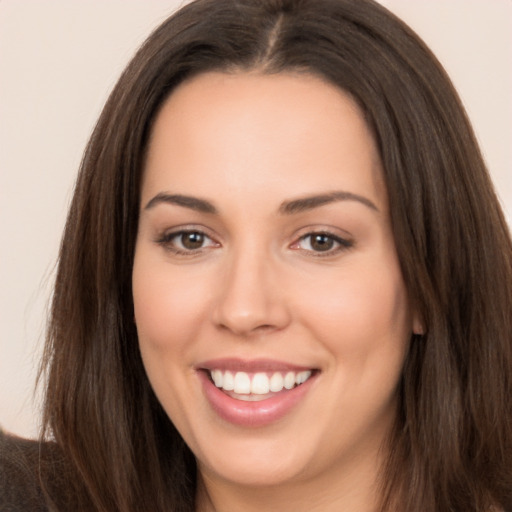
(58, 61)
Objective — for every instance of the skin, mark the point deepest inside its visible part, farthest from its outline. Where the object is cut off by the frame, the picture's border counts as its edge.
(258, 287)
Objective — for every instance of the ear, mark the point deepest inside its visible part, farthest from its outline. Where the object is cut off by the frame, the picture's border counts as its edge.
(418, 325)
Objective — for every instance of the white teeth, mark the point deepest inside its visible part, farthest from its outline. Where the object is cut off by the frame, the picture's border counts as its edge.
(243, 383)
(229, 382)
(260, 384)
(302, 377)
(218, 378)
(289, 380)
(276, 382)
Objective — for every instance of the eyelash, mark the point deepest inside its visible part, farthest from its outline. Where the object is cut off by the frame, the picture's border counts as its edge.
(167, 240)
(341, 244)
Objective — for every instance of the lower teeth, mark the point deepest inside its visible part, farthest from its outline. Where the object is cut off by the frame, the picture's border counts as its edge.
(253, 397)
(250, 398)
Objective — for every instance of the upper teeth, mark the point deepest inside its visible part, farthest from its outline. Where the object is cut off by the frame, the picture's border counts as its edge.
(259, 383)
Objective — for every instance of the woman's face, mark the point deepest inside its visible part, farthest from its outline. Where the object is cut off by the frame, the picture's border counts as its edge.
(265, 258)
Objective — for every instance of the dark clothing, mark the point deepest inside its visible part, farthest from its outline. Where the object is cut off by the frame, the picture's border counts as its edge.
(26, 468)
(19, 475)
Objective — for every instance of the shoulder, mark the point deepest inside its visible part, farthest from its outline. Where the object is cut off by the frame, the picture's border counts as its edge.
(36, 476)
(19, 474)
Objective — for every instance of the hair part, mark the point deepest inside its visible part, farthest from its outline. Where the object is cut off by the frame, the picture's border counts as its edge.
(451, 449)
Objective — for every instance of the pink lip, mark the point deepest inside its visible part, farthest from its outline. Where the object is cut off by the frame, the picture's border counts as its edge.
(252, 414)
(250, 366)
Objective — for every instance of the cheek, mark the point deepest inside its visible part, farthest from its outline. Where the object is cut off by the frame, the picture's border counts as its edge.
(363, 309)
(167, 305)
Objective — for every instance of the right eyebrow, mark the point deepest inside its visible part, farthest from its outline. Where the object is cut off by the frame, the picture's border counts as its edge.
(194, 203)
(311, 202)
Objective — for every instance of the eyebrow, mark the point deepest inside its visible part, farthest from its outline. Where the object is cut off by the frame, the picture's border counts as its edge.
(286, 208)
(310, 202)
(194, 203)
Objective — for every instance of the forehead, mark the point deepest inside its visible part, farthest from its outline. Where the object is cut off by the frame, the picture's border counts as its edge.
(251, 130)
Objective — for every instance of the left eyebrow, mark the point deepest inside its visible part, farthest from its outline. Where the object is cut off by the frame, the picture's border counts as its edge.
(194, 203)
(308, 203)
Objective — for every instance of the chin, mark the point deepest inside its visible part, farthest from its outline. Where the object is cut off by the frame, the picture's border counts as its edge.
(257, 460)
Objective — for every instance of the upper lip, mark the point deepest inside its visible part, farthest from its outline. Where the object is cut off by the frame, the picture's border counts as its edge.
(251, 365)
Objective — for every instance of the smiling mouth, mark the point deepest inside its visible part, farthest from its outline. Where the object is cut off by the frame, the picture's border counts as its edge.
(255, 393)
(252, 387)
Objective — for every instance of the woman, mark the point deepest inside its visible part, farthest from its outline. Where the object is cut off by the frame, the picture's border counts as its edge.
(285, 280)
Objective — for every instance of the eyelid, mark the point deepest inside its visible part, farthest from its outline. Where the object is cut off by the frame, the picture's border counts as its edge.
(165, 237)
(344, 242)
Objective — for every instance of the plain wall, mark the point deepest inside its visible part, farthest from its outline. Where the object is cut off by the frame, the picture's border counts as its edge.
(58, 61)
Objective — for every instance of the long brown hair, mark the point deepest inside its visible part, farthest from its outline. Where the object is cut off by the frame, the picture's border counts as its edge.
(451, 449)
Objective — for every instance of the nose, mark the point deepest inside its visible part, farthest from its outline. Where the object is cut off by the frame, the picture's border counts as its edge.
(251, 298)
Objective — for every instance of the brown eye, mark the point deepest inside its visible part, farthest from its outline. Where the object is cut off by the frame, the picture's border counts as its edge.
(192, 240)
(321, 242)
(186, 242)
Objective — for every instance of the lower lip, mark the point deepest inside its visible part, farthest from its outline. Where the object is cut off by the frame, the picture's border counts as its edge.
(253, 414)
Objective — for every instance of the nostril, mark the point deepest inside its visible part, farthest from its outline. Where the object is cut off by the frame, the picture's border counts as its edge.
(265, 327)
(248, 330)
